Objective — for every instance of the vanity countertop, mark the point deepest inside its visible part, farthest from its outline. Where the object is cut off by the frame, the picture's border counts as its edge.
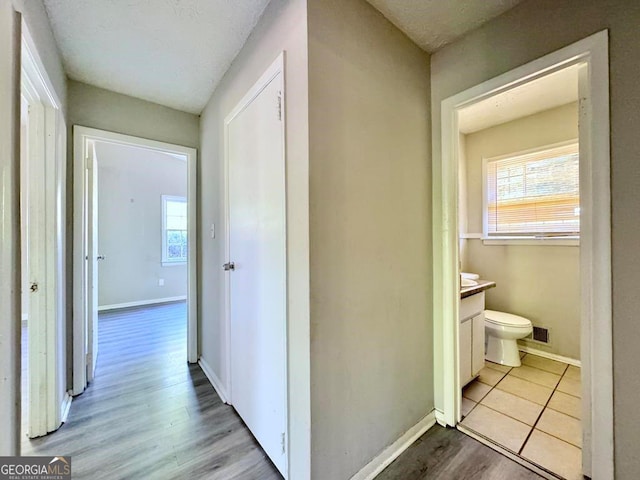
(480, 287)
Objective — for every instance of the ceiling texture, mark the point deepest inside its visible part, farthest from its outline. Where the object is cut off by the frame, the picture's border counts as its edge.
(175, 52)
(171, 52)
(551, 91)
(434, 23)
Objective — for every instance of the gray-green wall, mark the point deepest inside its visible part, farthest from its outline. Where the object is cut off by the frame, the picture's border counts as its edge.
(370, 242)
(95, 107)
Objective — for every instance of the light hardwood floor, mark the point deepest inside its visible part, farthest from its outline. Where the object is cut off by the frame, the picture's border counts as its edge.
(150, 415)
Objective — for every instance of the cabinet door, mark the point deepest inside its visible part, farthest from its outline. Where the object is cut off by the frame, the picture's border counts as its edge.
(477, 356)
(465, 352)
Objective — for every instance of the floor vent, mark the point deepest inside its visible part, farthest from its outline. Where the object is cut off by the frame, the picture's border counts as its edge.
(539, 334)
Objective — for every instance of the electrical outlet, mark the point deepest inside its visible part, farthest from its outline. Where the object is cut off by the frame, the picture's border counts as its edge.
(161, 282)
(213, 230)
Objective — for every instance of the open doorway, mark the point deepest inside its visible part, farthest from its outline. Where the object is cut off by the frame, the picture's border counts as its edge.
(519, 223)
(134, 237)
(589, 58)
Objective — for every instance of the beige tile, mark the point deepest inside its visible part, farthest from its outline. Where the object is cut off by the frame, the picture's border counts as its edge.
(570, 386)
(522, 355)
(568, 404)
(573, 372)
(561, 426)
(535, 375)
(545, 364)
(524, 389)
(467, 406)
(489, 376)
(501, 429)
(497, 366)
(555, 455)
(512, 406)
(475, 391)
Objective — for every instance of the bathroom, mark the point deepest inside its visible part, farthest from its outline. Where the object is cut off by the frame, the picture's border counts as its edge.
(519, 250)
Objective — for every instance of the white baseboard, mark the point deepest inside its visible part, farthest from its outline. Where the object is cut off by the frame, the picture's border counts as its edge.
(214, 380)
(140, 303)
(66, 407)
(550, 356)
(440, 418)
(393, 451)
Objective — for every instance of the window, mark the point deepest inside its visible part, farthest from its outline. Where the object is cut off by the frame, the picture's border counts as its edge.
(174, 229)
(534, 194)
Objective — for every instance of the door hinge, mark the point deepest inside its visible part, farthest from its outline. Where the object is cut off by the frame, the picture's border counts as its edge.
(283, 443)
(280, 106)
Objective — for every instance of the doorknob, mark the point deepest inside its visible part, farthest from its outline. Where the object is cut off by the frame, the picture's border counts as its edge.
(101, 257)
(229, 266)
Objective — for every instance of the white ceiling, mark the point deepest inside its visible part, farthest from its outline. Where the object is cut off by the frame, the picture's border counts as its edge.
(434, 23)
(172, 52)
(550, 91)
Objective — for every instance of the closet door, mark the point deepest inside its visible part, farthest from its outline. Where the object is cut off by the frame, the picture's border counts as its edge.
(257, 269)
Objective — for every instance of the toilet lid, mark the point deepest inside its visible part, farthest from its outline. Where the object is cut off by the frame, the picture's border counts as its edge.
(502, 318)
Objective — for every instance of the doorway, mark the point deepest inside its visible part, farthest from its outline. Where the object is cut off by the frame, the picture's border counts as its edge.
(519, 223)
(589, 56)
(151, 211)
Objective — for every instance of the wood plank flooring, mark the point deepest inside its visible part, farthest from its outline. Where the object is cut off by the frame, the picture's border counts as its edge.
(149, 414)
(447, 454)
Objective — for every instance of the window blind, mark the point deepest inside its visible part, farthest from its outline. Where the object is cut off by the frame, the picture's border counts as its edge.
(536, 194)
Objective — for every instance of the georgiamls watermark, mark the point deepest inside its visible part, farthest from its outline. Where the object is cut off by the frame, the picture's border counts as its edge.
(35, 468)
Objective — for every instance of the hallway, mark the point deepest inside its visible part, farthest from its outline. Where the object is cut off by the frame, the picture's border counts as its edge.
(149, 414)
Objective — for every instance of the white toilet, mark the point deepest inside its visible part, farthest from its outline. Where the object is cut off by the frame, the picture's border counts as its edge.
(503, 330)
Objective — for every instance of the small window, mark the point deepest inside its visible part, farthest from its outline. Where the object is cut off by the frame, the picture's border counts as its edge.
(174, 229)
(533, 195)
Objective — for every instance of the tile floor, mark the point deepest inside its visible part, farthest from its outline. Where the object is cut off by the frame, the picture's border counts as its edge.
(533, 410)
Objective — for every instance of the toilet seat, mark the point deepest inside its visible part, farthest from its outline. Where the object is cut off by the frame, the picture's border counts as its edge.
(506, 319)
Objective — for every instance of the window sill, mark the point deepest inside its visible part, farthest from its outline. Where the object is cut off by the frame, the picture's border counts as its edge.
(555, 241)
(173, 264)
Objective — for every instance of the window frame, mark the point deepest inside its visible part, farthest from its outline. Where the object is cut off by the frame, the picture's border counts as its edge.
(165, 260)
(553, 239)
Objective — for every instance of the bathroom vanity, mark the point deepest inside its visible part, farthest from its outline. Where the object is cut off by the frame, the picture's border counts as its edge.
(472, 330)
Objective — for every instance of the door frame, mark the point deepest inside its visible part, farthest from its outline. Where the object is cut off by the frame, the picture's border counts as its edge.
(82, 137)
(226, 391)
(595, 243)
(49, 401)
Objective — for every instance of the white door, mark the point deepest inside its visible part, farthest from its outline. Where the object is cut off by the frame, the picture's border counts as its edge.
(35, 187)
(92, 262)
(257, 285)
(42, 160)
